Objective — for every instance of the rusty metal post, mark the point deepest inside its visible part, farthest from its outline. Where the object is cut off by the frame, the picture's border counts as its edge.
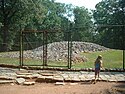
(70, 57)
(71, 31)
(123, 59)
(68, 51)
(22, 47)
(123, 47)
(20, 63)
(44, 49)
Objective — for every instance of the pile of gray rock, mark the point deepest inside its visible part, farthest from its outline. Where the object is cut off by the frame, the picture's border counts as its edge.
(58, 51)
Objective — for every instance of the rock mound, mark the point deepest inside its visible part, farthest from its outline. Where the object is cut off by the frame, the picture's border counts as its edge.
(59, 51)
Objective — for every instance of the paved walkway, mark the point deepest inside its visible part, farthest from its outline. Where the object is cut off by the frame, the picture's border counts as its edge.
(8, 75)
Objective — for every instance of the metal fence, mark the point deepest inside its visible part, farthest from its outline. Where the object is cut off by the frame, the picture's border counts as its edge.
(57, 49)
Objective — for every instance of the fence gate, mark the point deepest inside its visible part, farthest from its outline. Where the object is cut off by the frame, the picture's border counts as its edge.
(45, 48)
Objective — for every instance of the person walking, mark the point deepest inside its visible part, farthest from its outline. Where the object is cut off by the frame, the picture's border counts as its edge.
(98, 66)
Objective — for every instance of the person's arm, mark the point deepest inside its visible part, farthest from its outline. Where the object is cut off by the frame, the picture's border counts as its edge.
(94, 63)
(101, 65)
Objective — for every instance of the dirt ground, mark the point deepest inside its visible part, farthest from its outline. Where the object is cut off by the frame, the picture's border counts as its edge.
(77, 88)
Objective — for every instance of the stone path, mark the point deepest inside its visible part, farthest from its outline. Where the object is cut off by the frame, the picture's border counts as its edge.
(8, 75)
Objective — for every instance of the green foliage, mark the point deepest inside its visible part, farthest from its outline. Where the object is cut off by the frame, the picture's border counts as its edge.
(110, 13)
(16, 15)
(83, 24)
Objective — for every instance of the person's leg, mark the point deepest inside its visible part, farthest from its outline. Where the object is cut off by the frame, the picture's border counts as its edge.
(95, 73)
(98, 73)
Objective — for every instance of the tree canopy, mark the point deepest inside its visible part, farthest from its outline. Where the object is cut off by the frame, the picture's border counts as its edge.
(82, 24)
(105, 25)
(109, 15)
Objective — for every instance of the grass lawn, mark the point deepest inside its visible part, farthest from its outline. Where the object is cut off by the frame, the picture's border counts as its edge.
(111, 59)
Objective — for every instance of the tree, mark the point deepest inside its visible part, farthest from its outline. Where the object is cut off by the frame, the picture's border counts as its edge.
(16, 13)
(83, 24)
(109, 15)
